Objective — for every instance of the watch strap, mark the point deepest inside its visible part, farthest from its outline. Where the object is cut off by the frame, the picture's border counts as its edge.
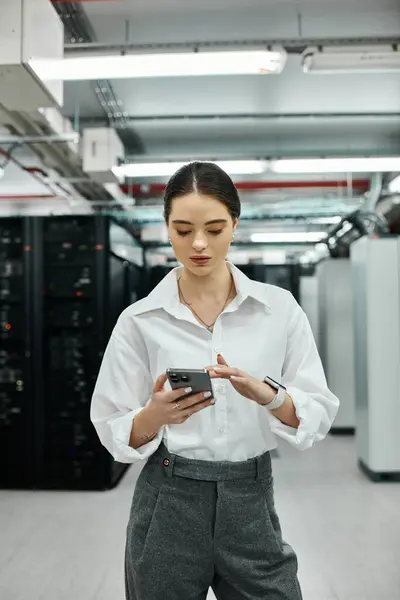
(280, 395)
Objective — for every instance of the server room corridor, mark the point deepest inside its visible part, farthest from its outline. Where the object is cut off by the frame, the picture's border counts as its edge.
(188, 186)
(346, 530)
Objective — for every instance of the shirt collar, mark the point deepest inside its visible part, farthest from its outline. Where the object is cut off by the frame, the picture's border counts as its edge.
(165, 295)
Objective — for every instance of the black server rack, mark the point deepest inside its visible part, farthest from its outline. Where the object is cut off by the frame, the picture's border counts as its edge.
(84, 291)
(17, 418)
(284, 276)
(61, 292)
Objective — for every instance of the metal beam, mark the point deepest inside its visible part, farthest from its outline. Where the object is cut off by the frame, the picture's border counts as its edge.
(224, 117)
(291, 45)
(79, 31)
(39, 139)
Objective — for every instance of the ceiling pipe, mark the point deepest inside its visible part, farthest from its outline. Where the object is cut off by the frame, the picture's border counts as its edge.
(28, 197)
(154, 189)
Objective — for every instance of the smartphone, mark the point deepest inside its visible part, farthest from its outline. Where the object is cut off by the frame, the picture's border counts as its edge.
(198, 379)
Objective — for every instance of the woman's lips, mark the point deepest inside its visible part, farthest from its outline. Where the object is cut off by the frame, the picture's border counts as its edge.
(200, 261)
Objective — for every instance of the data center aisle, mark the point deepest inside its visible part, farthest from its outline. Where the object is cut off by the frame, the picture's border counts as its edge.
(346, 530)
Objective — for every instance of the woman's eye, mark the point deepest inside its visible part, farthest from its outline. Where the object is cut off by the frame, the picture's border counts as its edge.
(183, 232)
(216, 232)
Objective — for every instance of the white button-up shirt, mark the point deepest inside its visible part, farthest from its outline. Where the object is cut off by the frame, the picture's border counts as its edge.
(263, 331)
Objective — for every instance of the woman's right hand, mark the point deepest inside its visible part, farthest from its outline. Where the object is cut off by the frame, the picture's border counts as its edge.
(163, 404)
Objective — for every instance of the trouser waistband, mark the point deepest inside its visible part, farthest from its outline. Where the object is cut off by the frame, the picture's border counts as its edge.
(203, 470)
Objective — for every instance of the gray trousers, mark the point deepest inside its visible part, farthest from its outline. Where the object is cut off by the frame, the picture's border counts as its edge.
(198, 524)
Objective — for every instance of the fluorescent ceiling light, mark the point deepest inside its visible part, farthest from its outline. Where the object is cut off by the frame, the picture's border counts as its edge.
(326, 220)
(233, 167)
(258, 167)
(350, 59)
(289, 237)
(382, 164)
(249, 62)
(394, 185)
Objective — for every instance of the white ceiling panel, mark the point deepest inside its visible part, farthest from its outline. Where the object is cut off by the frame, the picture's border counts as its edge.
(266, 137)
(290, 92)
(80, 100)
(191, 20)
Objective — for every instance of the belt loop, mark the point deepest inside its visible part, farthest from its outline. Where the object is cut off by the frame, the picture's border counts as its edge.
(259, 468)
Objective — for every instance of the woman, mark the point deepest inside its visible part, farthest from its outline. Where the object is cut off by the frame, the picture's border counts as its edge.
(203, 509)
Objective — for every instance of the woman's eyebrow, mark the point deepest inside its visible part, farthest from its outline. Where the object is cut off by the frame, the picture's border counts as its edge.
(181, 222)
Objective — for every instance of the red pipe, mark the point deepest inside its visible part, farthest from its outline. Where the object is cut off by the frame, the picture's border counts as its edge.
(361, 185)
(69, 1)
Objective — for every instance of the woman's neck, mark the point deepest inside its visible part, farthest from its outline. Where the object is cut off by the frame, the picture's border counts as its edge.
(214, 286)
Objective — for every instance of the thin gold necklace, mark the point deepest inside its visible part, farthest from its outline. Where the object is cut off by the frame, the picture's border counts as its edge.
(209, 327)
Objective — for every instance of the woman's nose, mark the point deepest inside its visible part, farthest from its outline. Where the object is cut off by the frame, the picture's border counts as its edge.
(199, 243)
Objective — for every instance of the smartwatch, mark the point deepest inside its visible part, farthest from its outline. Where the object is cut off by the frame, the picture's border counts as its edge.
(280, 393)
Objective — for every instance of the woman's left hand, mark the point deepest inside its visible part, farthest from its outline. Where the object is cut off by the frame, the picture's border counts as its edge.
(245, 384)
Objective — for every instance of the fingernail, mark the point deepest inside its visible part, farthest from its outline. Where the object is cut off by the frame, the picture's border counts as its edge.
(187, 390)
(219, 355)
(207, 394)
(212, 401)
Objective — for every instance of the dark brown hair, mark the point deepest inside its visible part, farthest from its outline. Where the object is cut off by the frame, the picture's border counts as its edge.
(205, 178)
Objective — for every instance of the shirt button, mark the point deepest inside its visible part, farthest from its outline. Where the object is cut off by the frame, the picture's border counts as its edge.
(222, 430)
(221, 388)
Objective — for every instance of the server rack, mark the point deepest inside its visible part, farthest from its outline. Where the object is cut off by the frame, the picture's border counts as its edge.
(17, 451)
(84, 291)
(64, 289)
(284, 276)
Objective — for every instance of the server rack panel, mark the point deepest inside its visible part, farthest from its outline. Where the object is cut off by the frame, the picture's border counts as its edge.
(17, 449)
(83, 286)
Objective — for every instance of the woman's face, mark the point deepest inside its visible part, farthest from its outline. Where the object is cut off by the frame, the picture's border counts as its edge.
(200, 226)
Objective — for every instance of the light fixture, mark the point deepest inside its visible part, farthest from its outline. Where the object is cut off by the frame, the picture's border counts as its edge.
(381, 164)
(326, 220)
(232, 167)
(350, 59)
(289, 237)
(129, 66)
(394, 185)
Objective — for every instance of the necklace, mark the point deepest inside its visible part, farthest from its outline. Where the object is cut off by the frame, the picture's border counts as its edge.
(208, 327)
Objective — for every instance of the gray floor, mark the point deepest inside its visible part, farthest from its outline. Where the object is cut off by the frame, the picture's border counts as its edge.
(345, 529)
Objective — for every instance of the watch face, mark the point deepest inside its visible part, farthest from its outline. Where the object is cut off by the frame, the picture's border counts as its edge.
(272, 382)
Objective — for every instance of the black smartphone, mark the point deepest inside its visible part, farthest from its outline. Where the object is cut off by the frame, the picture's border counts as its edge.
(198, 379)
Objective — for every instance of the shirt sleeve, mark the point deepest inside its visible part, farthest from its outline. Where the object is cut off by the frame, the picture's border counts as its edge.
(303, 375)
(122, 390)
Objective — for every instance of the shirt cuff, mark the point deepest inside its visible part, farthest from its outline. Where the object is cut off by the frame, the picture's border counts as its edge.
(310, 414)
(121, 428)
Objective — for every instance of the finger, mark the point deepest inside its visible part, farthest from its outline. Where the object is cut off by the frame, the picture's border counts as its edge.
(221, 360)
(195, 399)
(214, 375)
(212, 368)
(185, 414)
(217, 368)
(159, 383)
(239, 379)
(228, 371)
(176, 394)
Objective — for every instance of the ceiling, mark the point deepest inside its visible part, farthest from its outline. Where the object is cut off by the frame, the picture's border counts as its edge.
(247, 115)
(221, 117)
